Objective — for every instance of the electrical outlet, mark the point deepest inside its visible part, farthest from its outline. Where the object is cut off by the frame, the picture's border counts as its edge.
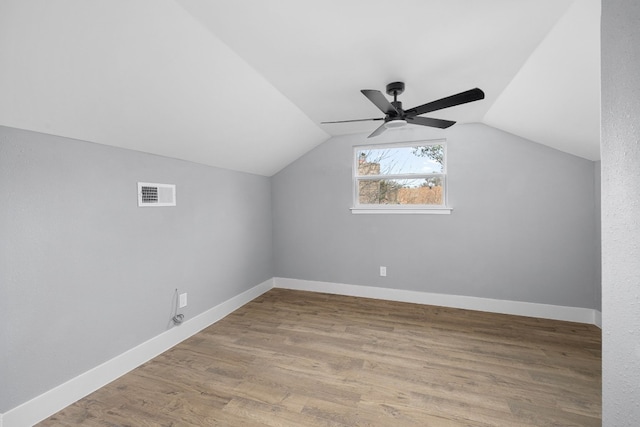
(183, 300)
(383, 271)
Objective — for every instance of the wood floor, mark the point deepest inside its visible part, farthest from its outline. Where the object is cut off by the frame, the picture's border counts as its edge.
(292, 358)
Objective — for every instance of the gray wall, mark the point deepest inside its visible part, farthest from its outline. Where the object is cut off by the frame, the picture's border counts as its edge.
(86, 275)
(621, 212)
(523, 226)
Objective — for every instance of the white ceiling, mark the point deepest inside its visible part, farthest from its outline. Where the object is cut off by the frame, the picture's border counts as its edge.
(244, 84)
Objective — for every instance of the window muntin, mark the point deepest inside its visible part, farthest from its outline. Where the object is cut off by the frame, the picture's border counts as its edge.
(407, 175)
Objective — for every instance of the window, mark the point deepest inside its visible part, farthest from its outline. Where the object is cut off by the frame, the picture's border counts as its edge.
(400, 178)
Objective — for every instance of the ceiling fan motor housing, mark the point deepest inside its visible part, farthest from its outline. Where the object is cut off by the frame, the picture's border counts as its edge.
(393, 116)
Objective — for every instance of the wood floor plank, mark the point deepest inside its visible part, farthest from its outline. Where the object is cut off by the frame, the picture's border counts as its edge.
(293, 358)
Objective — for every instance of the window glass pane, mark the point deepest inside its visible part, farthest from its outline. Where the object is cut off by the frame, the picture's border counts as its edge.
(425, 191)
(401, 160)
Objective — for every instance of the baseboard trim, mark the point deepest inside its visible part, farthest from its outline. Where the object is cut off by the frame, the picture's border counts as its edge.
(52, 401)
(518, 308)
(597, 320)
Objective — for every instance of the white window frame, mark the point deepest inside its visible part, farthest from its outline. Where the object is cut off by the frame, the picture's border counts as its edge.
(399, 209)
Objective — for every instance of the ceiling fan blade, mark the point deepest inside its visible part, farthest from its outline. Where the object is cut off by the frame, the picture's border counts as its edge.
(427, 121)
(380, 101)
(450, 101)
(378, 131)
(356, 120)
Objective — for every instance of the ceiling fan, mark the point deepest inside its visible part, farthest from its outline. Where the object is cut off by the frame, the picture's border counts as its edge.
(396, 117)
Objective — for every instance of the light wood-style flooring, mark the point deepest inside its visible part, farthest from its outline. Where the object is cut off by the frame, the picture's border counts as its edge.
(292, 358)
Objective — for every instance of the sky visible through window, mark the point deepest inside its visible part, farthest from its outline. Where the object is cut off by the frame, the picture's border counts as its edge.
(402, 160)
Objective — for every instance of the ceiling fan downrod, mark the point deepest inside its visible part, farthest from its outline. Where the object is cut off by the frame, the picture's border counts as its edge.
(395, 89)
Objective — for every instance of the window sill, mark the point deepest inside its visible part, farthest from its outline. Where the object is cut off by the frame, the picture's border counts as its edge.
(419, 211)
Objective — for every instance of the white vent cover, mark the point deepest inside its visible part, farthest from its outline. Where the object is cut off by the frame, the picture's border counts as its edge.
(150, 194)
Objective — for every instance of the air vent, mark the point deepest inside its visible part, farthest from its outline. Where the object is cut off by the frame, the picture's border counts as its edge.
(150, 194)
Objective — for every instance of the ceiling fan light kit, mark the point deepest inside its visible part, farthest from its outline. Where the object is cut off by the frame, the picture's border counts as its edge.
(396, 117)
(394, 124)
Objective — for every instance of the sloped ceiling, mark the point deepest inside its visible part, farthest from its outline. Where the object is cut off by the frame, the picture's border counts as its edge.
(555, 98)
(244, 84)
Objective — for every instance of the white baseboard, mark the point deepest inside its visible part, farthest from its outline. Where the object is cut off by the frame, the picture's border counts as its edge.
(596, 321)
(518, 308)
(54, 400)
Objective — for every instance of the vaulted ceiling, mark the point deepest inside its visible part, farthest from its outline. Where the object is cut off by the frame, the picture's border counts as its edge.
(244, 84)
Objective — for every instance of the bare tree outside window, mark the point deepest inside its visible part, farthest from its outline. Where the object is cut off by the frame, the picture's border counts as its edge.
(434, 152)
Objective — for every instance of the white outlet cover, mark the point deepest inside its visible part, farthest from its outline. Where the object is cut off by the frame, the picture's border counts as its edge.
(183, 300)
(383, 271)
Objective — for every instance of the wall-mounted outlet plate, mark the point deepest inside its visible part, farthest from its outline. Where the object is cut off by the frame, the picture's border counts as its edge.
(383, 271)
(183, 300)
